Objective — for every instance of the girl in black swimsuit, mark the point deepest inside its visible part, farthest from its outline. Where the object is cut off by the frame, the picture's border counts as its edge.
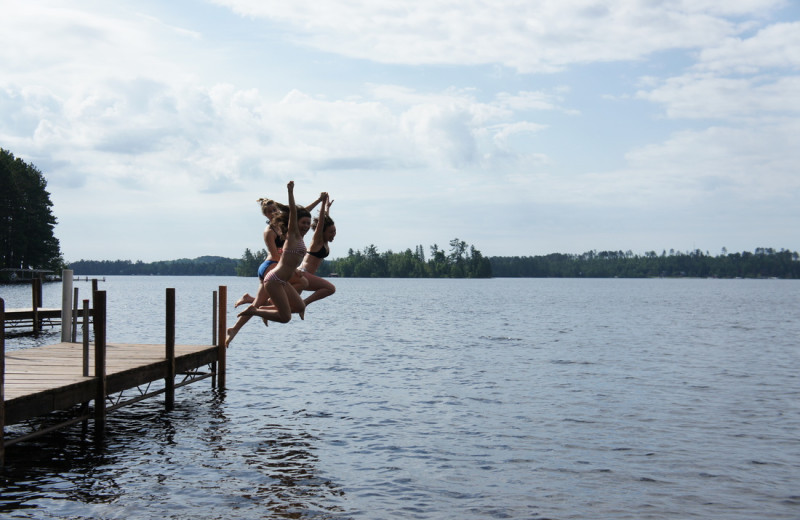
(324, 233)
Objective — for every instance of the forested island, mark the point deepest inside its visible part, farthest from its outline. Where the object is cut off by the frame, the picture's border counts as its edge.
(463, 261)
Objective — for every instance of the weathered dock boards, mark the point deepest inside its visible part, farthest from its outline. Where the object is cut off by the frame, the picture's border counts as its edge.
(44, 379)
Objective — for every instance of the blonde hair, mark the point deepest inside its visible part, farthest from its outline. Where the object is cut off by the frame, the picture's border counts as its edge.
(266, 203)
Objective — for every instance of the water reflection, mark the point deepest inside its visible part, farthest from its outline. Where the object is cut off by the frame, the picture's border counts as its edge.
(65, 465)
(197, 458)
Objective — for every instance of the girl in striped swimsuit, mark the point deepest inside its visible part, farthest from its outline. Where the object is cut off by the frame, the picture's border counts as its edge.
(283, 296)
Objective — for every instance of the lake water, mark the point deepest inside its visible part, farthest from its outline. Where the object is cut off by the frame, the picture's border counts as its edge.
(444, 399)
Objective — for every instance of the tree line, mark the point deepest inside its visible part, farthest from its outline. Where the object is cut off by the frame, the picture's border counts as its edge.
(461, 261)
(202, 266)
(27, 240)
(763, 263)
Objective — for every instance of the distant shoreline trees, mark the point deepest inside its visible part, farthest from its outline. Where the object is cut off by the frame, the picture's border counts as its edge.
(461, 261)
(763, 263)
(27, 239)
(464, 261)
(202, 266)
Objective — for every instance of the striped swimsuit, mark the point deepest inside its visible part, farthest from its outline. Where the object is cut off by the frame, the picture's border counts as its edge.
(299, 250)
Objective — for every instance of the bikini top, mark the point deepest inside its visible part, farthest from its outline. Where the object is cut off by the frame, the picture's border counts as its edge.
(300, 249)
(322, 253)
(279, 240)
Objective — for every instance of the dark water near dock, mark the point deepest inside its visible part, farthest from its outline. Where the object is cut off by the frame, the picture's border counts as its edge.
(439, 399)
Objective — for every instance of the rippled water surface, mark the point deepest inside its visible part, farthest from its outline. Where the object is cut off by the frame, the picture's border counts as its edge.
(469, 399)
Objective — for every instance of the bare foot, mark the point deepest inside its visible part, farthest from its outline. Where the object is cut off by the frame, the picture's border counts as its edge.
(246, 298)
(231, 334)
(266, 322)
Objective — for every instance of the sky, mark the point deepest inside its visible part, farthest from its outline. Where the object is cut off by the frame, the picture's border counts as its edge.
(520, 127)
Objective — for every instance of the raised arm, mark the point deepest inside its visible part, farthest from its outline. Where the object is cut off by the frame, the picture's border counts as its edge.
(313, 205)
(317, 240)
(294, 229)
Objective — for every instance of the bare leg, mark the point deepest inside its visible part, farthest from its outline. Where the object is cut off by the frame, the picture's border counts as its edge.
(296, 302)
(261, 298)
(322, 288)
(280, 310)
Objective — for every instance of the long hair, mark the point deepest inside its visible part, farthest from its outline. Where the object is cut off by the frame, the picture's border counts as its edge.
(267, 203)
(325, 224)
(281, 219)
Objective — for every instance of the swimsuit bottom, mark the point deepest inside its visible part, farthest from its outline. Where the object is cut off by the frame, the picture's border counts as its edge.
(263, 268)
(272, 277)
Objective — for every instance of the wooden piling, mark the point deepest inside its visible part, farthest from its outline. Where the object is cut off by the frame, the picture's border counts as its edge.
(214, 337)
(221, 332)
(169, 383)
(2, 381)
(75, 314)
(36, 286)
(85, 338)
(100, 363)
(66, 304)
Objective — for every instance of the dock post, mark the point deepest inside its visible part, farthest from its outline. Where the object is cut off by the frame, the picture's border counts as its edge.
(223, 298)
(39, 299)
(66, 304)
(214, 318)
(2, 382)
(169, 383)
(214, 336)
(74, 324)
(85, 328)
(100, 364)
(36, 286)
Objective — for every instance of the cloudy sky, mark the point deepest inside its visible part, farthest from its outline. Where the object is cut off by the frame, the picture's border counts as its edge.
(520, 127)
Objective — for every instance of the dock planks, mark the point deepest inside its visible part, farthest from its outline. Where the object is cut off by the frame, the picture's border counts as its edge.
(44, 379)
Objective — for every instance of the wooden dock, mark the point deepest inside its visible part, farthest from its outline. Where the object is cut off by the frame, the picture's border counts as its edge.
(37, 381)
(36, 317)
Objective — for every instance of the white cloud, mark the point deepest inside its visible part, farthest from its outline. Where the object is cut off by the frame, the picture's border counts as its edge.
(775, 46)
(542, 36)
(138, 119)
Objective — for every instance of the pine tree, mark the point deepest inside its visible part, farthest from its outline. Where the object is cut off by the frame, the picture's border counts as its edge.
(27, 240)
